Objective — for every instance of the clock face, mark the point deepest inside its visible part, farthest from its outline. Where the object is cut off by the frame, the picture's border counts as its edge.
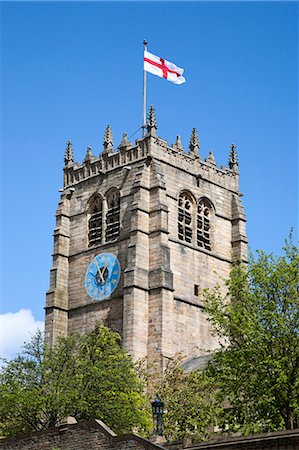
(102, 276)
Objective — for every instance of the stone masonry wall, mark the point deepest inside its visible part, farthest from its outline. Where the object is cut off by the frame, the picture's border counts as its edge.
(157, 306)
(187, 328)
(96, 435)
(278, 440)
(82, 436)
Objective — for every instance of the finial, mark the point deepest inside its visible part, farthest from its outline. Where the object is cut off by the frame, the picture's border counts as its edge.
(233, 158)
(124, 142)
(194, 144)
(69, 154)
(151, 121)
(211, 158)
(178, 144)
(108, 139)
(88, 154)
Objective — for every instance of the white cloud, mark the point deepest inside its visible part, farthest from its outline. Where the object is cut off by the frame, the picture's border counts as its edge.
(16, 328)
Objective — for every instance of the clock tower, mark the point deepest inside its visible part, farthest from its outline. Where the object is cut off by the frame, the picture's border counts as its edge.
(140, 231)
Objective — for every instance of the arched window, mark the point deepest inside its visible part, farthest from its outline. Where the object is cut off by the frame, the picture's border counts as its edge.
(112, 216)
(185, 212)
(204, 213)
(95, 221)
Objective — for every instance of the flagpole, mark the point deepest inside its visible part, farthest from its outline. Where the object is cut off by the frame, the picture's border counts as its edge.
(144, 93)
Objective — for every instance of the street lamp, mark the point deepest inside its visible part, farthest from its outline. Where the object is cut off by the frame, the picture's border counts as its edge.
(158, 411)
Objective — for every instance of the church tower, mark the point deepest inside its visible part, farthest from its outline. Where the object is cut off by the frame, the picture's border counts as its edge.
(140, 231)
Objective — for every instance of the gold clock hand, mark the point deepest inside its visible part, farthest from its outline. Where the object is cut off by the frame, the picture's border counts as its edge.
(103, 270)
(99, 270)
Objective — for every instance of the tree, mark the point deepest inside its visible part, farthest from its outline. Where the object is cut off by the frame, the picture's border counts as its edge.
(251, 383)
(86, 376)
(191, 404)
(256, 369)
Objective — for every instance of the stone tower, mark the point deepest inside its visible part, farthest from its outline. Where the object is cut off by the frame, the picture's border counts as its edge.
(174, 221)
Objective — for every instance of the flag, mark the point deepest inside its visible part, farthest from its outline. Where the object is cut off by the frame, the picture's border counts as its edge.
(162, 68)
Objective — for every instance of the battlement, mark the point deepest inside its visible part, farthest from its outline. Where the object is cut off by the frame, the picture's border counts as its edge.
(151, 146)
(75, 172)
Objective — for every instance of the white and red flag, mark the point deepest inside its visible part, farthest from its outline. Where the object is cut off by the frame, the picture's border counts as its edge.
(162, 68)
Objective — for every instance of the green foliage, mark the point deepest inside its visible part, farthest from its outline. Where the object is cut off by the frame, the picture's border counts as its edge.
(251, 384)
(191, 406)
(257, 367)
(85, 376)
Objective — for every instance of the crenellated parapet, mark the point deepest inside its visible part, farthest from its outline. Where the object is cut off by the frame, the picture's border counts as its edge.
(106, 162)
(193, 164)
(153, 146)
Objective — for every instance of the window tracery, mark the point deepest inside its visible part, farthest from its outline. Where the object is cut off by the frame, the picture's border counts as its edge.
(112, 216)
(95, 226)
(185, 211)
(204, 212)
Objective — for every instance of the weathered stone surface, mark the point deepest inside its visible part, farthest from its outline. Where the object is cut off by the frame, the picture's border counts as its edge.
(156, 307)
(278, 440)
(96, 435)
(81, 436)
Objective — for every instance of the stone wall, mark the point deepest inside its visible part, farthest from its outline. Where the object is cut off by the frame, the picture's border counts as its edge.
(81, 436)
(96, 435)
(280, 440)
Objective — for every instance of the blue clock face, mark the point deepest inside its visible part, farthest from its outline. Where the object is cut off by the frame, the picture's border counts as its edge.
(102, 276)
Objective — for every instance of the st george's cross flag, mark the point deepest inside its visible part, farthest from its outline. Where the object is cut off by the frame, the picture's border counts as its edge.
(162, 68)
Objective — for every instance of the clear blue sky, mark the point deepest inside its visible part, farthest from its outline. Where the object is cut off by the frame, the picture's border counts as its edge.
(69, 69)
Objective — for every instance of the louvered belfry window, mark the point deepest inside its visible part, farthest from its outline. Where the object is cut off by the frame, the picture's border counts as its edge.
(185, 217)
(204, 212)
(112, 216)
(95, 225)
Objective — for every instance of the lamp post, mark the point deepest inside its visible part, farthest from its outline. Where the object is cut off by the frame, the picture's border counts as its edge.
(158, 411)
